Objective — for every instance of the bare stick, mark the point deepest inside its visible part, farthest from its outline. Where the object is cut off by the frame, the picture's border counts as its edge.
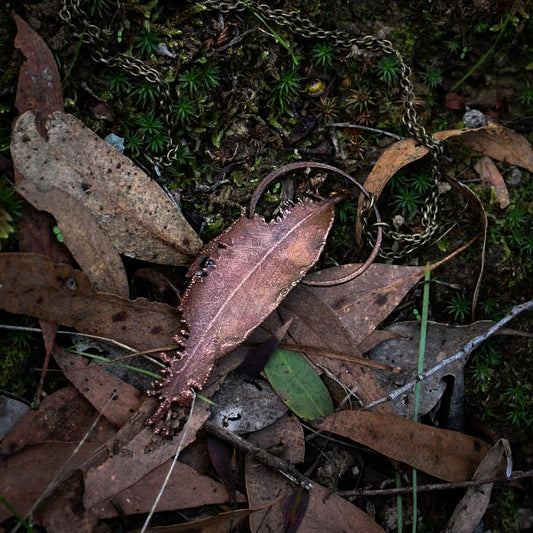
(433, 487)
(469, 347)
(364, 128)
(261, 455)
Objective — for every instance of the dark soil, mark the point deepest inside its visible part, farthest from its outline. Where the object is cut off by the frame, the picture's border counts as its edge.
(249, 97)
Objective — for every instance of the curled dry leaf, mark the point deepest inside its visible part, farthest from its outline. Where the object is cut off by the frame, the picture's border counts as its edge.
(439, 452)
(237, 281)
(130, 208)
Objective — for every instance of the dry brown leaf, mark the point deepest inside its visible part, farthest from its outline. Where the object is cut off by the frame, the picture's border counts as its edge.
(222, 522)
(25, 475)
(65, 416)
(439, 452)
(97, 385)
(63, 511)
(316, 324)
(441, 342)
(39, 86)
(237, 281)
(31, 285)
(129, 207)
(94, 252)
(136, 452)
(186, 488)
(491, 177)
(340, 317)
(500, 143)
(363, 303)
(470, 510)
(325, 510)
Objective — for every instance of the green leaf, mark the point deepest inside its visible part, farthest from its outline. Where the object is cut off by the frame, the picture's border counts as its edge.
(298, 385)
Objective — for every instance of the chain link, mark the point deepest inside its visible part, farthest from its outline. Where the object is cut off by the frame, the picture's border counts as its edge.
(94, 35)
(303, 27)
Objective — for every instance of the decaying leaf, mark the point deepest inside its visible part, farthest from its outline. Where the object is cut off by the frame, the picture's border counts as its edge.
(491, 177)
(470, 510)
(97, 385)
(441, 342)
(64, 416)
(130, 208)
(244, 404)
(237, 281)
(136, 452)
(187, 488)
(27, 474)
(439, 452)
(362, 304)
(325, 510)
(340, 317)
(39, 86)
(493, 140)
(31, 285)
(94, 252)
(63, 511)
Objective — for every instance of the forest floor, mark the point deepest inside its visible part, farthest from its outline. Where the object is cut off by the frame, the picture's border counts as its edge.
(238, 96)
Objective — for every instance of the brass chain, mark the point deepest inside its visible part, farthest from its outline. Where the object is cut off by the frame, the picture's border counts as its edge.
(303, 27)
(91, 34)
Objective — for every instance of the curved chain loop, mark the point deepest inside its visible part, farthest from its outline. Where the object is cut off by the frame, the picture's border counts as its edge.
(303, 27)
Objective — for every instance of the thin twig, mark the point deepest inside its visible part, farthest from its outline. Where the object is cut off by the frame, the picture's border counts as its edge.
(63, 473)
(171, 469)
(63, 332)
(281, 466)
(469, 347)
(359, 127)
(356, 493)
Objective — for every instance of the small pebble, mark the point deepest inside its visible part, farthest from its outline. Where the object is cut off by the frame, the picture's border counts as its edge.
(116, 142)
(514, 177)
(163, 50)
(475, 119)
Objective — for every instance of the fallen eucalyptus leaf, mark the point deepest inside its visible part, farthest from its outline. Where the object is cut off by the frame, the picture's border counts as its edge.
(493, 140)
(94, 252)
(491, 177)
(470, 510)
(31, 285)
(130, 208)
(244, 404)
(441, 342)
(441, 453)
